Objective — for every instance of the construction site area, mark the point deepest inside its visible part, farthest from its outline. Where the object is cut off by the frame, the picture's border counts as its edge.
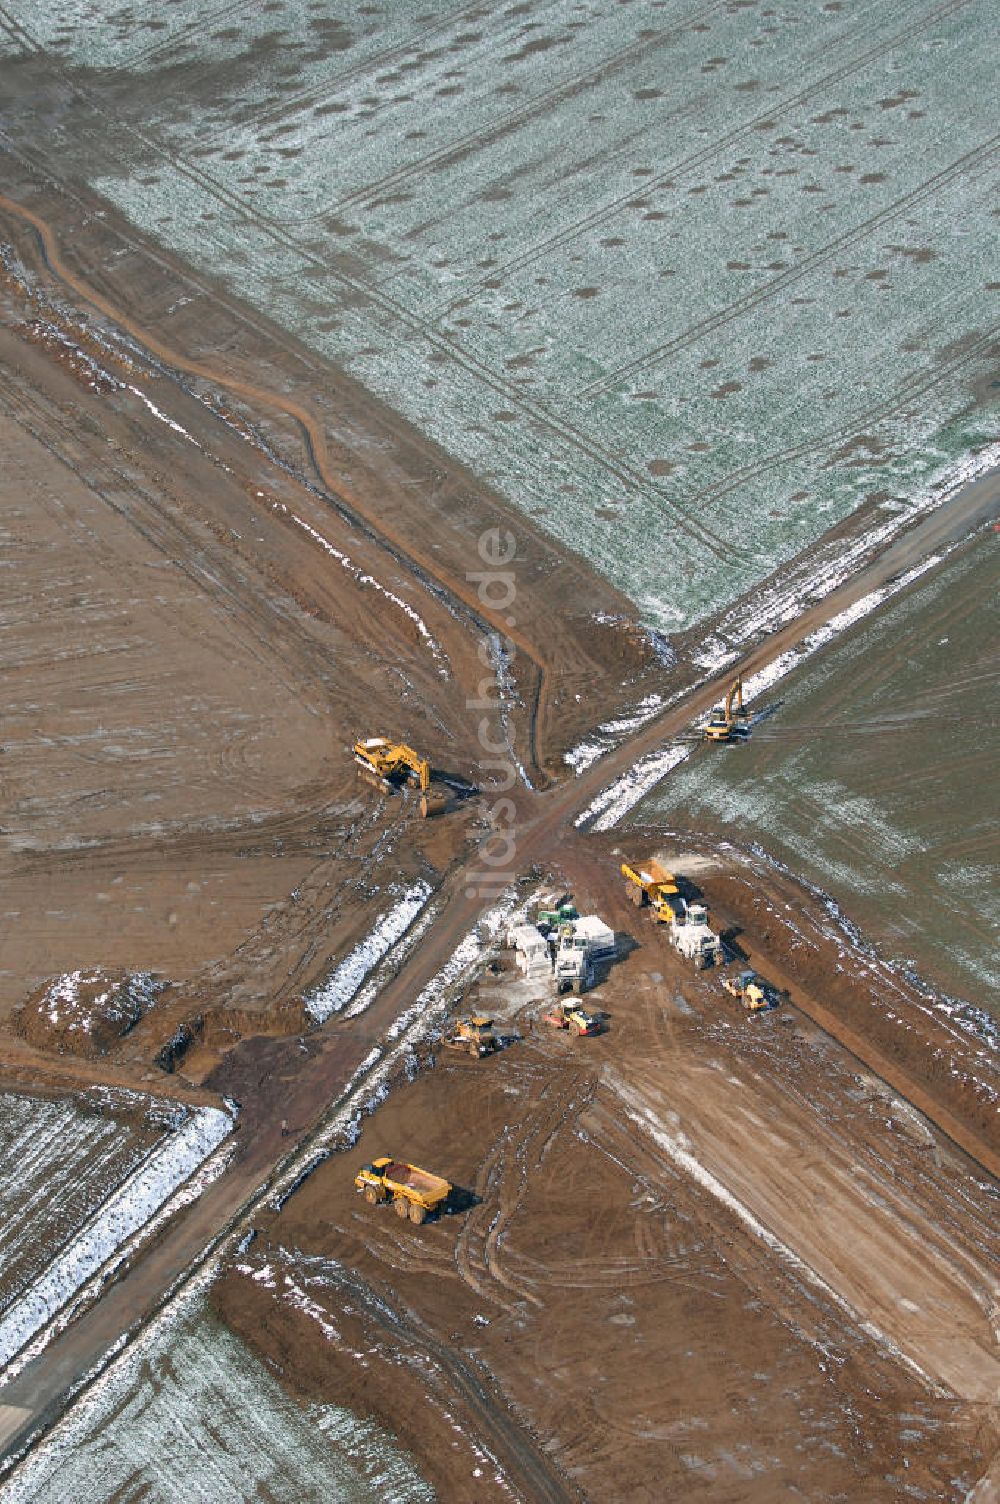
(470, 1031)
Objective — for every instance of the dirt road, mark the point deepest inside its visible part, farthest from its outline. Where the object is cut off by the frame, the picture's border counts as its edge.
(279, 1081)
(545, 824)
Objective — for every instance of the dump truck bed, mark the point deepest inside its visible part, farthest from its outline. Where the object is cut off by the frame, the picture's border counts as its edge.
(430, 1188)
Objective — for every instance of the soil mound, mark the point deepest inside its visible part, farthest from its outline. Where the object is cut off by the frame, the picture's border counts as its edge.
(87, 1012)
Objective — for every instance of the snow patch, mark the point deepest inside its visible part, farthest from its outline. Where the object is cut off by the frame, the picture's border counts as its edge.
(122, 1215)
(343, 984)
(163, 418)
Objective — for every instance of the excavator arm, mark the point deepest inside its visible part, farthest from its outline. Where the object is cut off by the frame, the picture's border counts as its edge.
(383, 762)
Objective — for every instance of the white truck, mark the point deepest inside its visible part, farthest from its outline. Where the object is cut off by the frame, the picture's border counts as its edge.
(530, 949)
(582, 942)
(574, 965)
(692, 935)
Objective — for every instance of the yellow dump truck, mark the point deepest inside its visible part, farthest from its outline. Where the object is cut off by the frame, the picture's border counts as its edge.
(413, 1192)
(655, 886)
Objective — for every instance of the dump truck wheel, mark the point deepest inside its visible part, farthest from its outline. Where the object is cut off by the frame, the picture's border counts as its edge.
(637, 895)
(402, 1207)
(372, 1195)
(418, 1213)
(474, 1051)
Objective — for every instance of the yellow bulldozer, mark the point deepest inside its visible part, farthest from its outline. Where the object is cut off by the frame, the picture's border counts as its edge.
(386, 764)
(754, 993)
(729, 722)
(473, 1035)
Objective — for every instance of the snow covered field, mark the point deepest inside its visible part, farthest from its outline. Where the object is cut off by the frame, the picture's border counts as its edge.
(190, 1416)
(37, 1155)
(58, 1164)
(688, 286)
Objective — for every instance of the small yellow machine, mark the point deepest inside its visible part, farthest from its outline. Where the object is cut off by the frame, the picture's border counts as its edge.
(473, 1035)
(384, 763)
(728, 722)
(754, 993)
(571, 1016)
(414, 1193)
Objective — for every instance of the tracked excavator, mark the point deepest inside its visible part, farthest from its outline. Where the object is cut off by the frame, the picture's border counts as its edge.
(386, 764)
(729, 722)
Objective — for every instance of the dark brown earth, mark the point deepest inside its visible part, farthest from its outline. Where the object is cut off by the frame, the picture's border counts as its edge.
(650, 1343)
(187, 666)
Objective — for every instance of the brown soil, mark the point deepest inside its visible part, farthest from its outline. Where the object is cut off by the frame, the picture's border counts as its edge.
(188, 661)
(87, 1014)
(189, 664)
(590, 1307)
(932, 1053)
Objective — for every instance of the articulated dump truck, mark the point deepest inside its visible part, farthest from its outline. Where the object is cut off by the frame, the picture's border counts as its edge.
(414, 1193)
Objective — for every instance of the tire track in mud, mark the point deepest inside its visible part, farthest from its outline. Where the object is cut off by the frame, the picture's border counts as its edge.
(810, 1313)
(296, 926)
(291, 923)
(160, 529)
(418, 562)
(698, 159)
(526, 1463)
(918, 1200)
(504, 1180)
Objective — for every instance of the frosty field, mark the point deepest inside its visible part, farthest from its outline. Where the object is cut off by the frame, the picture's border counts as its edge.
(874, 776)
(195, 1418)
(58, 1163)
(690, 285)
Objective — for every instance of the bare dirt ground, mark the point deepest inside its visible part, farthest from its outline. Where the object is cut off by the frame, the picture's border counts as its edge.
(210, 600)
(709, 1255)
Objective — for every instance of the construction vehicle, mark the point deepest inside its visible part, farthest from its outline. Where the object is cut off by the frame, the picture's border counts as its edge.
(753, 992)
(385, 764)
(473, 1035)
(692, 936)
(655, 886)
(574, 968)
(730, 721)
(414, 1193)
(579, 1021)
(553, 918)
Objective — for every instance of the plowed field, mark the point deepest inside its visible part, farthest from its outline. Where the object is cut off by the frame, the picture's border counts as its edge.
(718, 276)
(874, 777)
